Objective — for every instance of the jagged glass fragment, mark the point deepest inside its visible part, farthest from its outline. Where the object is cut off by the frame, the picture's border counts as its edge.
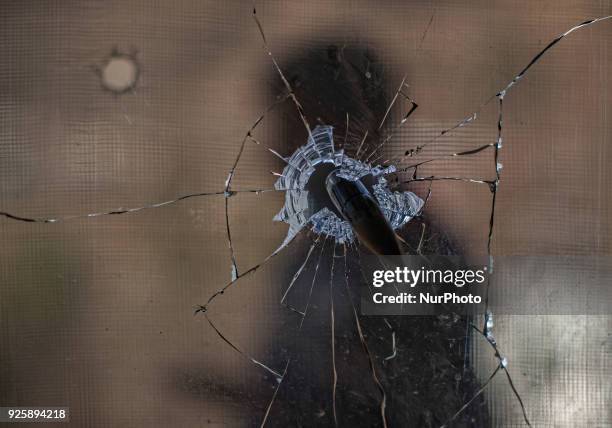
(398, 207)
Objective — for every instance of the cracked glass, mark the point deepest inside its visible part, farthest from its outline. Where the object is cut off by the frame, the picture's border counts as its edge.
(145, 152)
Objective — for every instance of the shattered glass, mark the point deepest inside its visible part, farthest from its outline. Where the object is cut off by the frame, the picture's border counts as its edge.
(398, 207)
(107, 301)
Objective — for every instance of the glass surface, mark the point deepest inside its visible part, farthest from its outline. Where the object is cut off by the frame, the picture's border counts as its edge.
(97, 314)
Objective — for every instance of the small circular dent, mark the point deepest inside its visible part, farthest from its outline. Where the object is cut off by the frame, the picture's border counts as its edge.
(119, 74)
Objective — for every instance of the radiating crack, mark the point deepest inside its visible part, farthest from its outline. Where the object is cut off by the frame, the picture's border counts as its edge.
(333, 337)
(364, 344)
(226, 194)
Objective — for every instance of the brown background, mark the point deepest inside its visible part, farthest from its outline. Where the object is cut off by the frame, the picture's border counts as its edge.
(97, 314)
